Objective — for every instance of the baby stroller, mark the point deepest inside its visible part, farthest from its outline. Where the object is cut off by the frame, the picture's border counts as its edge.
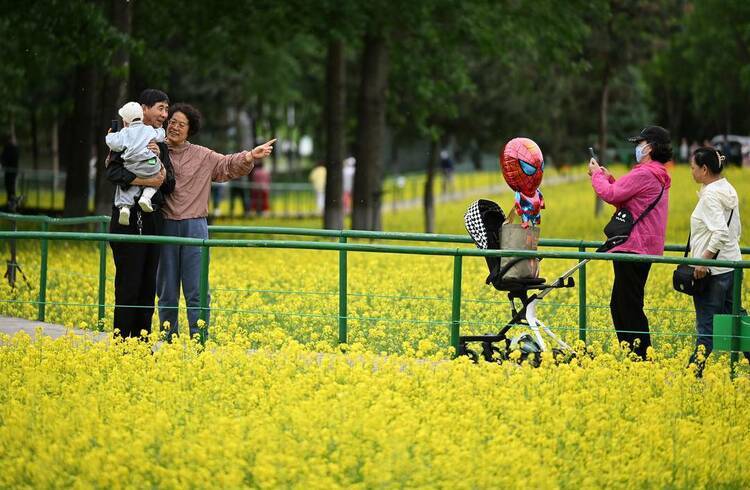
(484, 222)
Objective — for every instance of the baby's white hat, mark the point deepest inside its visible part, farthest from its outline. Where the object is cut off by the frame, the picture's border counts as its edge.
(130, 112)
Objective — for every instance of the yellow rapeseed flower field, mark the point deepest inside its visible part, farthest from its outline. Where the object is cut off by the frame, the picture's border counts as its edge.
(77, 414)
(271, 402)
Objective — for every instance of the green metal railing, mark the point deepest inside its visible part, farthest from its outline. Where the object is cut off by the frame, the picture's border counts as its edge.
(581, 245)
(45, 221)
(343, 247)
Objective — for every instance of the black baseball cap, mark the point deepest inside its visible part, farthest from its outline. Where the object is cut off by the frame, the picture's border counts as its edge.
(652, 134)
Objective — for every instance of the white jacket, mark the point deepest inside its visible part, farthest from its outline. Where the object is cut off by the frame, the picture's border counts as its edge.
(708, 223)
(133, 140)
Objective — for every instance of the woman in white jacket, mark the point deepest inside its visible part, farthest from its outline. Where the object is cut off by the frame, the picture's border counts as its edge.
(714, 233)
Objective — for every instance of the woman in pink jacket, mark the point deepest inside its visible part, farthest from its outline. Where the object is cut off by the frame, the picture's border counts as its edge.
(647, 183)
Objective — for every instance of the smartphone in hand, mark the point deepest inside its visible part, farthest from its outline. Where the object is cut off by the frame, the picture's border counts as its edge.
(115, 127)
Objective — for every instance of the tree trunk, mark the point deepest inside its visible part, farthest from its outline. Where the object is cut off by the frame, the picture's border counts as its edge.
(333, 216)
(252, 119)
(114, 93)
(258, 128)
(603, 110)
(12, 127)
(429, 194)
(370, 134)
(78, 129)
(34, 139)
(266, 121)
(55, 146)
(290, 136)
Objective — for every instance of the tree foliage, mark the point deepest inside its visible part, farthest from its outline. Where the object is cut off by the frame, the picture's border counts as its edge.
(469, 74)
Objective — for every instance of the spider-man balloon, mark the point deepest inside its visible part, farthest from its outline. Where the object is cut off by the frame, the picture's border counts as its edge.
(522, 164)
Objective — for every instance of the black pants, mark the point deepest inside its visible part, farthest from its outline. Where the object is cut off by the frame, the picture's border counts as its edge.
(10, 183)
(630, 321)
(242, 194)
(135, 272)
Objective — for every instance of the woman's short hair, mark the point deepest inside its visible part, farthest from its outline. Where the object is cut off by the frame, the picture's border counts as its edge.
(661, 152)
(192, 114)
(712, 158)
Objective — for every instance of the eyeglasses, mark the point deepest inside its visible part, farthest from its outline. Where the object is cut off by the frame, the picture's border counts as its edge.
(178, 124)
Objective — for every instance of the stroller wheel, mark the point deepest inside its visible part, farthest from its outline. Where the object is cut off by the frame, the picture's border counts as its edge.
(491, 353)
(472, 355)
(534, 359)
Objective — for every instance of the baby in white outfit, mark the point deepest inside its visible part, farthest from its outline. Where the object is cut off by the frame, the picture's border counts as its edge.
(133, 141)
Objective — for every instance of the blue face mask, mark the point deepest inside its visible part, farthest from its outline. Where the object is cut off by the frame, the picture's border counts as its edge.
(639, 153)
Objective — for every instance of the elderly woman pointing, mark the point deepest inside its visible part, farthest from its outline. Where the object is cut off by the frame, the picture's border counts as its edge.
(186, 209)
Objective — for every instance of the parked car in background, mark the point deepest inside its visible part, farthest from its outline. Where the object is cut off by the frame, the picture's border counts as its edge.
(736, 148)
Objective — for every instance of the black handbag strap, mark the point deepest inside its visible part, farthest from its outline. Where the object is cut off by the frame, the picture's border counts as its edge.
(687, 245)
(650, 207)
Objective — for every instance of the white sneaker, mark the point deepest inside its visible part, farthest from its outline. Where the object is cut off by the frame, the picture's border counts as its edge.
(124, 218)
(145, 205)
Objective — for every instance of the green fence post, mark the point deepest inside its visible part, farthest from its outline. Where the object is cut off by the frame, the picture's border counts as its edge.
(343, 332)
(203, 293)
(456, 313)
(102, 276)
(736, 305)
(582, 299)
(42, 277)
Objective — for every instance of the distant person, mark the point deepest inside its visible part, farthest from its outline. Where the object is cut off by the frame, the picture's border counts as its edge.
(348, 182)
(239, 188)
(218, 194)
(446, 165)
(684, 151)
(137, 158)
(260, 192)
(9, 161)
(644, 187)
(693, 146)
(715, 230)
(318, 181)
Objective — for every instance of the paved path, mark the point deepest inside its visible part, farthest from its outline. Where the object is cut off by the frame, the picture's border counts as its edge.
(486, 191)
(391, 206)
(12, 326)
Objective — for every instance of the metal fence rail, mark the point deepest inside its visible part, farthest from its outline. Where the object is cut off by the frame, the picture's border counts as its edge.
(343, 247)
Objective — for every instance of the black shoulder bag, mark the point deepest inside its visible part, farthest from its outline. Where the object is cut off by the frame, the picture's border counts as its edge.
(621, 224)
(683, 280)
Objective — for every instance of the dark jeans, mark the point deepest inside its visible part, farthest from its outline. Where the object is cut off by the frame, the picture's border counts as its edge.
(716, 299)
(631, 323)
(135, 273)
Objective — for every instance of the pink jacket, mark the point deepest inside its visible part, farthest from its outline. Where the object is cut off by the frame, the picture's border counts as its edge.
(635, 191)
